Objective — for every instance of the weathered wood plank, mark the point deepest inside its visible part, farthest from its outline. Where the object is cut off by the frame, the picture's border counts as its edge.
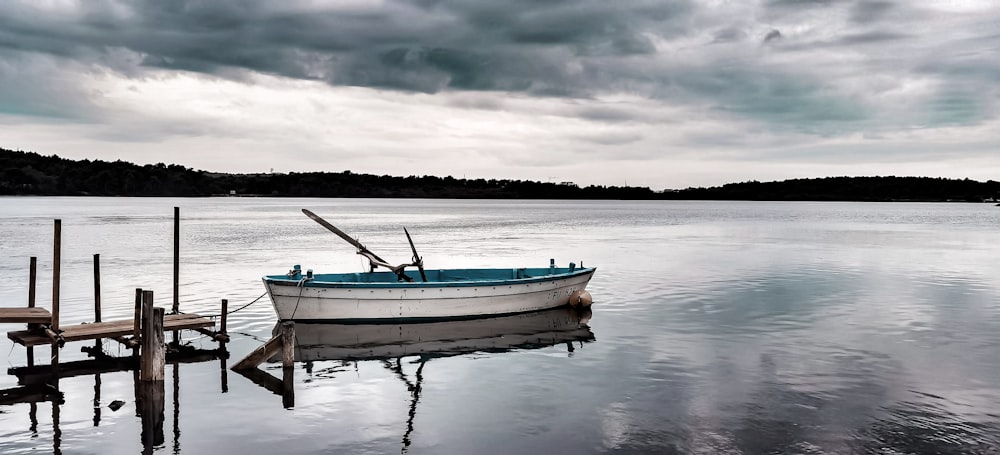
(108, 329)
(260, 354)
(27, 315)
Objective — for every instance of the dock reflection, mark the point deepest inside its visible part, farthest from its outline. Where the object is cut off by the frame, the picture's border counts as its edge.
(40, 383)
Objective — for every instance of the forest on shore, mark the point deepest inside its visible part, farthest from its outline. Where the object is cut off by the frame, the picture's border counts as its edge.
(29, 173)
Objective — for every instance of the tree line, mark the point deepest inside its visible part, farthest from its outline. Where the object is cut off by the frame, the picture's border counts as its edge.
(29, 173)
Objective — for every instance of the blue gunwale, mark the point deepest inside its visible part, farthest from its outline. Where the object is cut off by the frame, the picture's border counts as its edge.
(448, 278)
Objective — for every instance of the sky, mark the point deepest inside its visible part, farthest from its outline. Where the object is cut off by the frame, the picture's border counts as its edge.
(663, 94)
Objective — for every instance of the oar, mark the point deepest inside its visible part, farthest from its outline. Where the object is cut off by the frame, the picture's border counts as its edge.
(340, 234)
(416, 258)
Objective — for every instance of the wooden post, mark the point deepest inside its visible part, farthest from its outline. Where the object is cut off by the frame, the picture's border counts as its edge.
(287, 344)
(153, 357)
(97, 294)
(56, 258)
(176, 307)
(32, 278)
(137, 317)
(97, 288)
(222, 317)
(177, 254)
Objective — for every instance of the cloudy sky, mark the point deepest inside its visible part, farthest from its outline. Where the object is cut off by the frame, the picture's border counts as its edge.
(664, 93)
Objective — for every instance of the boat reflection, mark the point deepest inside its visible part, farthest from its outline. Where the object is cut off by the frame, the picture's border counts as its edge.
(317, 341)
(391, 342)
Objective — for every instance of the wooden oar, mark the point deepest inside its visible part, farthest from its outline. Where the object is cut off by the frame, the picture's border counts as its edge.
(416, 258)
(341, 234)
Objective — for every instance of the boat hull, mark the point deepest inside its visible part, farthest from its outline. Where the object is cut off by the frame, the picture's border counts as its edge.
(319, 300)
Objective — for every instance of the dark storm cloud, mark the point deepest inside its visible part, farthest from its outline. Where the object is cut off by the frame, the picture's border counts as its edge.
(423, 46)
(809, 77)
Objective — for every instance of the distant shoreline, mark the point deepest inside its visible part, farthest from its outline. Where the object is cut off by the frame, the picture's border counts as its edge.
(31, 174)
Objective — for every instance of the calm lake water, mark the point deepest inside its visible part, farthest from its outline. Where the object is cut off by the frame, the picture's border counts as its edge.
(718, 327)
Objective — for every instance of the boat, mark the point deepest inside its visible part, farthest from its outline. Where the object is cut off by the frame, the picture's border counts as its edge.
(428, 295)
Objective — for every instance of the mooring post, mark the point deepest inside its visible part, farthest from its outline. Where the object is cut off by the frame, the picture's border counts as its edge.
(222, 317)
(97, 288)
(288, 364)
(153, 357)
(136, 319)
(97, 294)
(176, 307)
(177, 261)
(32, 278)
(56, 258)
(287, 344)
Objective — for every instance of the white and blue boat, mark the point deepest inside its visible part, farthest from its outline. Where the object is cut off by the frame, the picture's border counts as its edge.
(429, 295)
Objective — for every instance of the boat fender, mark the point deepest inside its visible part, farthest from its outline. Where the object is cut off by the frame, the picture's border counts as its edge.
(581, 299)
(309, 274)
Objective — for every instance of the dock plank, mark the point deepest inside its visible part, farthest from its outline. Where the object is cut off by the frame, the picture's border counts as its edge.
(108, 329)
(25, 315)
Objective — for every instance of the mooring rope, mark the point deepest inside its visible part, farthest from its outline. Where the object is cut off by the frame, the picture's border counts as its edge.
(233, 311)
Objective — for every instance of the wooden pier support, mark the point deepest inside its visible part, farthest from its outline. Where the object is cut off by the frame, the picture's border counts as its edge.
(175, 308)
(56, 260)
(153, 357)
(97, 288)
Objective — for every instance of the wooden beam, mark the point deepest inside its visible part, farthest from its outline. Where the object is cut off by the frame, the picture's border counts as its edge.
(108, 329)
(260, 354)
(29, 315)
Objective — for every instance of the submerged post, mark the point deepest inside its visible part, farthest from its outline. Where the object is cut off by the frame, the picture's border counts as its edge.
(56, 258)
(153, 359)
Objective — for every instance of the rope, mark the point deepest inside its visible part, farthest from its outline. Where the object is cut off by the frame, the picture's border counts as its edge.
(301, 286)
(238, 309)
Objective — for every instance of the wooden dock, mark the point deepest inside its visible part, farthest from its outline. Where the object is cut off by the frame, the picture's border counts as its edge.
(25, 315)
(109, 329)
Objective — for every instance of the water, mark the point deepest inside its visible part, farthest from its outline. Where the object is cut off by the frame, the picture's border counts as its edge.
(718, 327)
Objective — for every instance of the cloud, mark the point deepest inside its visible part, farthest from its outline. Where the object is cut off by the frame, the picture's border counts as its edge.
(643, 79)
